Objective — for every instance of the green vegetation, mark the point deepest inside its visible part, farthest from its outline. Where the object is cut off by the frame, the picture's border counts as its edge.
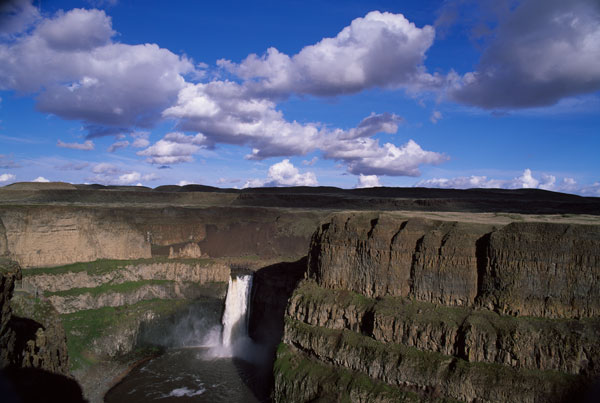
(421, 367)
(102, 266)
(25, 305)
(341, 384)
(121, 288)
(86, 329)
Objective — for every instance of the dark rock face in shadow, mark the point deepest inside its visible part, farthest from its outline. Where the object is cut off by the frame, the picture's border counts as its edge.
(272, 287)
(34, 385)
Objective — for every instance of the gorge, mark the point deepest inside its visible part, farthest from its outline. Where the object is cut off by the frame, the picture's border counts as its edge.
(376, 295)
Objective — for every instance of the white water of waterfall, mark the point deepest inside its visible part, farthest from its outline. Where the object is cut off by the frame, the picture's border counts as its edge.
(235, 317)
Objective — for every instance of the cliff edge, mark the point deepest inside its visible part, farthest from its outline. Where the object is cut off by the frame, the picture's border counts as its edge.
(396, 309)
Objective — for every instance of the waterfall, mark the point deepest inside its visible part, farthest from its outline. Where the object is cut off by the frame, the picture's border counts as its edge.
(235, 317)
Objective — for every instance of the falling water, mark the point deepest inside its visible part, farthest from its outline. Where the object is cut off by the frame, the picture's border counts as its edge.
(235, 317)
(208, 363)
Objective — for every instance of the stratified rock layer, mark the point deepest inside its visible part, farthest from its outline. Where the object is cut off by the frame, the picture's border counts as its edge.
(56, 235)
(444, 309)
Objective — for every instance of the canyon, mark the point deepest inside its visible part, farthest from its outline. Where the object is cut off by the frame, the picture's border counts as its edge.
(366, 295)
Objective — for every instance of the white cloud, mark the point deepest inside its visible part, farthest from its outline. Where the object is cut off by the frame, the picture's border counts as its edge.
(366, 156)
(7, 177)
(435, 117)
(525, 181)
(87, 145)
(368, 181)
(174, 148)
(141, 139)
(284, 173)
(544, 50)
(105, 168)
(78, 72)
(378, 50)
(40, 179)
(184, 183)
(238, 117)
(119, 144)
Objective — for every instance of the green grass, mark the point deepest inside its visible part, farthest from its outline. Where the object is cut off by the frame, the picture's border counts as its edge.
(121, 288)
(340, 384)
(83, 328)
(25, 305)
(423, 366)
(103, 266)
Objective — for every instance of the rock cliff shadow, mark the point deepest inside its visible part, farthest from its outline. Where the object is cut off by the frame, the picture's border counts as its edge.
(34, 385)
(272, 287)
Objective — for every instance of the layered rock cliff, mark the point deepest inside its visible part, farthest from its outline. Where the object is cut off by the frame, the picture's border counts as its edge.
(37, 236)
(429, 310)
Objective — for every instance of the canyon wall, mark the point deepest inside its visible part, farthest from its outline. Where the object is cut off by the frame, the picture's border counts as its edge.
(414, 309)
(34, 363)
(38, 236)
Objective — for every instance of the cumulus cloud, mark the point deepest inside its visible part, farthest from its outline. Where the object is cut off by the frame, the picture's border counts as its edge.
(378, 50)
(284, 173)
(16, 16)
(78, 72)
(227, 112)
(7, 177)
(40, 179)
(140, 139)
(174, 148)
(106, 168)
(117, 145)
(542, 51)
(87, 145)
(110, 174)
(525, 181)
(368, 181)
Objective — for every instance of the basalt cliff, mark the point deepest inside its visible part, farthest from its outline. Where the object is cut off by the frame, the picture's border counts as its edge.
(396, 309)
(376, 295)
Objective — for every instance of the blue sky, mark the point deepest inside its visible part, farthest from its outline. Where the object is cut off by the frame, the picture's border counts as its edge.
(276, 93)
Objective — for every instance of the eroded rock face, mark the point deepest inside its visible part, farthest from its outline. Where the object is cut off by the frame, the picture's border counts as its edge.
(198, 273)
(549, 270)
(52, 236)
(540, 269)
(32, 335)
(59, 235)
(446, 310)
(377, 255)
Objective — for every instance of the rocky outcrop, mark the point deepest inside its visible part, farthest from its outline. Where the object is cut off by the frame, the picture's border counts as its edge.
(90, 298)
(474, 335)
(193, 271)
(10, 272)
(452, 310)
(40, 236)
(33, 348)
(378, 254)
(40, 340)
(540, 269)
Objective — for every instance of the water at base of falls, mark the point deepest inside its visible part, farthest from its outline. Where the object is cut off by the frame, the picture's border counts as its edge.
(220, 364)
(189, 374)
